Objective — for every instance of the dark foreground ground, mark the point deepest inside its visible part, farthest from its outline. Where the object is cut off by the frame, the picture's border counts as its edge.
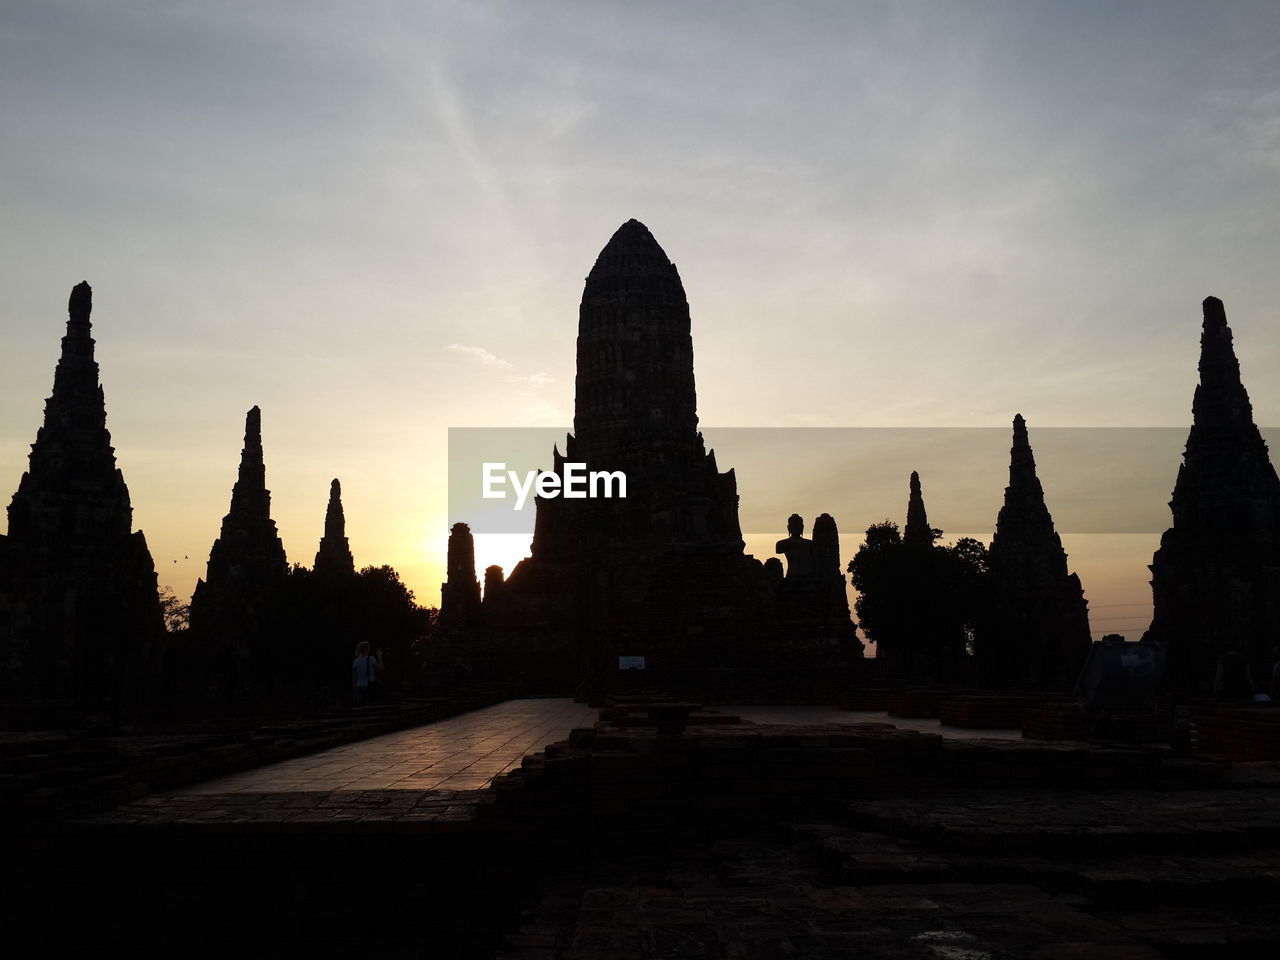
(698, 841)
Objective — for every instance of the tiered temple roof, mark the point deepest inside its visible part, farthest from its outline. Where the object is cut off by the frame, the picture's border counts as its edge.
(79, 612)
(1039, 633)
(1215, 578)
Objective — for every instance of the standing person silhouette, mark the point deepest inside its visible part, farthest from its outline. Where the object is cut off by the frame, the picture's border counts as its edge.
(364, 674)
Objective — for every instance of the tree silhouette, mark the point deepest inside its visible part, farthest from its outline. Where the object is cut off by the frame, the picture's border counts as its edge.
(318, 617)
(177, 615)
(875, 572)
(919, 602)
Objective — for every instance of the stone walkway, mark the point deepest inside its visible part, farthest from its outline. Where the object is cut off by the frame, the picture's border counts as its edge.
(466, 752)
(462, 753)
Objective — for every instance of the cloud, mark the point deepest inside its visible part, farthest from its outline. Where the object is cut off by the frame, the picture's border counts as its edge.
(486, 359)
(532, 379)
(481, 356)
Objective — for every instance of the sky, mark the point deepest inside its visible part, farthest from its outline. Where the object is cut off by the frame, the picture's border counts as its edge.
(373, 220)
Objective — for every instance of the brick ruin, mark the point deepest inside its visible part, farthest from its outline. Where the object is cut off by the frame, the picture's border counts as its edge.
(460, 593)
(80, 618)
(230, 606)
(661, 573)
(1215, 579)
(832, 600)
(1037, 635)
(494, 585)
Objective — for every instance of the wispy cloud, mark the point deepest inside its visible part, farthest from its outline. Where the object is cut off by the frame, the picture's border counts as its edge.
(481, 355)
(486, 358)
(532, 379)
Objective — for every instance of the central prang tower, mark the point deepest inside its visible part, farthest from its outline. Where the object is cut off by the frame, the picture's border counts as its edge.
(661, 573)
(635, 410)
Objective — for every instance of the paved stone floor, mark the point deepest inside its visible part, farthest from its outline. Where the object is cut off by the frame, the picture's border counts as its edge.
(807, 715)
(466, 752)
(462, 753)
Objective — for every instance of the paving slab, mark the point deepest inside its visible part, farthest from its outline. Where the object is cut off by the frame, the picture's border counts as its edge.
(462, 753)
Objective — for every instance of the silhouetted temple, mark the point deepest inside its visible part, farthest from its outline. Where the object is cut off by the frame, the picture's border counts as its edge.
(1038, 633)
(460, 593)
(246, 565)
(1215, 579)
(661, 573)
(79, 613)
(334, 554)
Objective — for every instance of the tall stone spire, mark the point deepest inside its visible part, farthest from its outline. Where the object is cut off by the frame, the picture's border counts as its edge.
(1038, 633)
(460, 593)
(917, 533)
(334, 555)
(1227, 483)
(250, 499)
(246, 564)
(1022, 464)
(248, 549)
(73, 447)
(85, 618)
(1216, 575)
(1024, 516)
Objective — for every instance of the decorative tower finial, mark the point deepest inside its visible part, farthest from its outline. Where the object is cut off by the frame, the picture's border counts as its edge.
(250, 496)
(1024, 485)
(1220, 398)
(80, 305)
(918, 532)
(250, 512)
(334, 555)
(335, 521)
